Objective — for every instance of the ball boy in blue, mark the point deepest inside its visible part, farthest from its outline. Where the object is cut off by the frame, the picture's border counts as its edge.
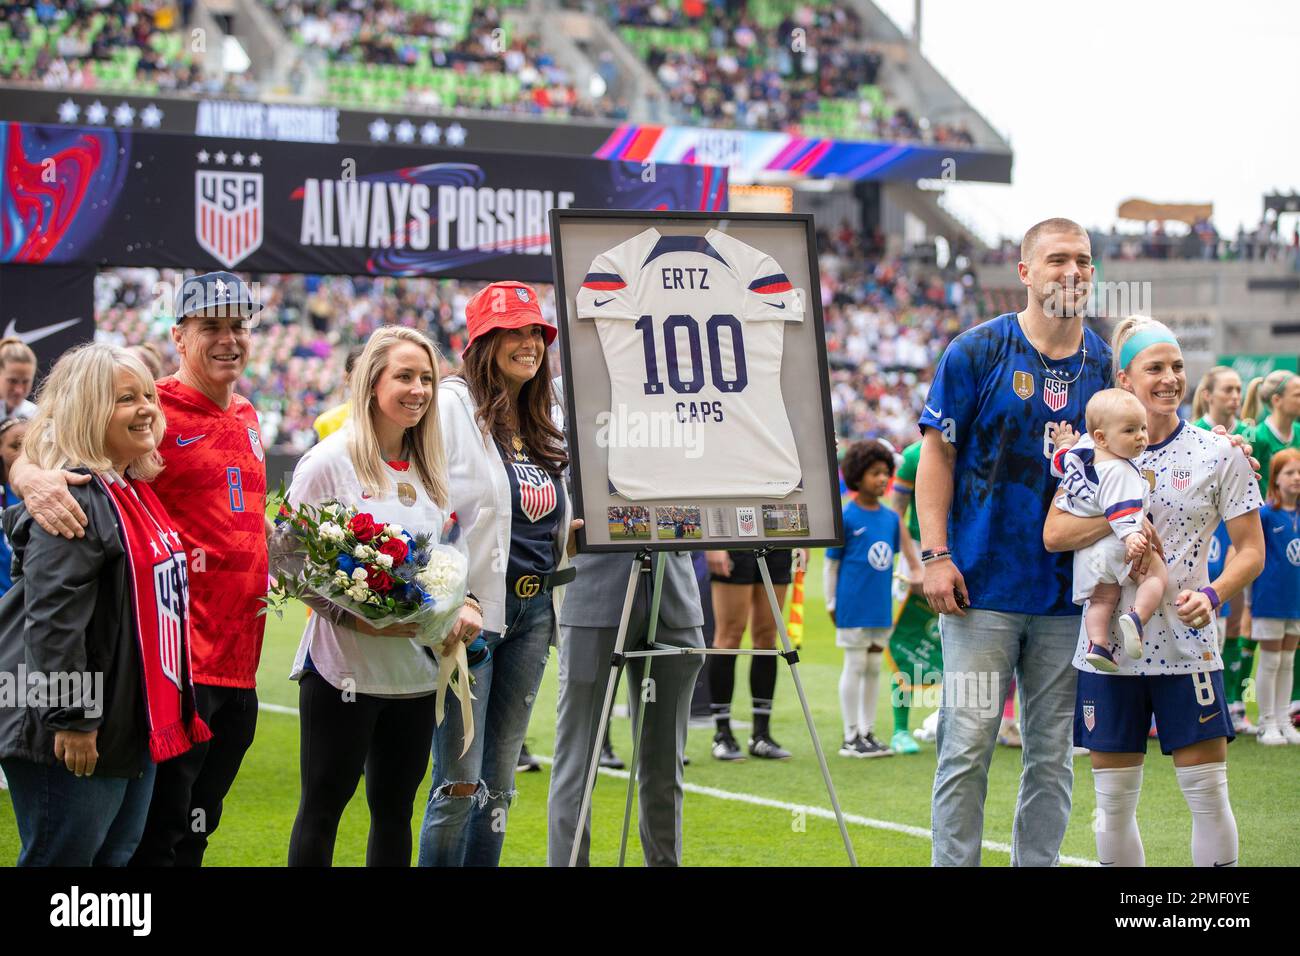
(1275, 600)
(858, 584)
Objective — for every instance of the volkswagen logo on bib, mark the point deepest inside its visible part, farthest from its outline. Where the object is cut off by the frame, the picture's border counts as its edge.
(1293, 551)
(881, 556)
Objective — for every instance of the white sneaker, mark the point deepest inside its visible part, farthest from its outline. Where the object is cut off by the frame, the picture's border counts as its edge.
(929, 728)
(1290, 733)
(1241, 725)
(1131, 627)
(1271, 736)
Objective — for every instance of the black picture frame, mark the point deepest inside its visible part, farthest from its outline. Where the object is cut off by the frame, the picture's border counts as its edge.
(563, 306)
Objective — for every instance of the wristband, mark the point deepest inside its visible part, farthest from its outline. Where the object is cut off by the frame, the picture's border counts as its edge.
(1213, 595)
(935, 555)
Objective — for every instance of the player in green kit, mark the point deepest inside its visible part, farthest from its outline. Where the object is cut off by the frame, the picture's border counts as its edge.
(904, 485)
(1218, 402)
(1273, 402)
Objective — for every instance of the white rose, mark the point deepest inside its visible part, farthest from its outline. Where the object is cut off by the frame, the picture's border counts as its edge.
(393, 530)
(384, 560)
(359, 552)
(359, 575)
(329, 531)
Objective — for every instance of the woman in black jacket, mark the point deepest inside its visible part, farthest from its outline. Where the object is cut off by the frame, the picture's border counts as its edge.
(94, 629)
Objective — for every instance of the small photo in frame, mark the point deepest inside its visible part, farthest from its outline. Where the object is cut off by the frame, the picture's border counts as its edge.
(628, 523)
(785, 521)
(679, 522)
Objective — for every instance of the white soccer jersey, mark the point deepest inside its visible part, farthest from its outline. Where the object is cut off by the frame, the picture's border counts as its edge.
(1114, 488)
(692, 328)
(1198, 479)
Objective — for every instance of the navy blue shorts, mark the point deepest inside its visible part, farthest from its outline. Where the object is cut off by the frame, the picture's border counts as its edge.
(1113, 714)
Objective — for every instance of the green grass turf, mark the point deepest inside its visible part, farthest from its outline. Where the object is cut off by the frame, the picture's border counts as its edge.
(260, 809)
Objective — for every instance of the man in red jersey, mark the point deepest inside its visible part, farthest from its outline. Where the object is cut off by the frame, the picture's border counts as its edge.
(214, 489)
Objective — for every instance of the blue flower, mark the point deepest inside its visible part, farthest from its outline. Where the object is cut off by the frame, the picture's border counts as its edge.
(346, 564)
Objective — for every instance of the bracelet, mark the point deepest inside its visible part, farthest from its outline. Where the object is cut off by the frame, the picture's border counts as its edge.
(1213, 595)
(935, 555)
(472, 602)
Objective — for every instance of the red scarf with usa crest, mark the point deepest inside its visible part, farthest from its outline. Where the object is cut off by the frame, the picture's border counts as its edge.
(159, 586)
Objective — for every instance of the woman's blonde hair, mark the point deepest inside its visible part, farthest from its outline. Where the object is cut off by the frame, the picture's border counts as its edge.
(1125, 330)
(1201, 397)
(76, 402)
(1261, 391)
(424, 441)
(14, 349)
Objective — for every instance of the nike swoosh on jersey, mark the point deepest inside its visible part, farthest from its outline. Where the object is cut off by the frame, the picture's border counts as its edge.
(35, 335)
(1211, 717)
(182, 442)
(598, 302)
(935, 412)
(775, 305)
(858, 532)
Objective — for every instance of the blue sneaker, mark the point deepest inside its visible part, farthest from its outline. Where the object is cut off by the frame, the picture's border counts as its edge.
(477, 653)
(1130, 625)
(1101, 658)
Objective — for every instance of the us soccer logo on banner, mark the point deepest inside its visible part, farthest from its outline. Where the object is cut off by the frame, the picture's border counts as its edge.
(228, 214)
(1181, 478)
(1055, 393)
(536, 490)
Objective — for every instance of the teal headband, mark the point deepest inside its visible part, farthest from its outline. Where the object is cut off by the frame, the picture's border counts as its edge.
(1151, 335)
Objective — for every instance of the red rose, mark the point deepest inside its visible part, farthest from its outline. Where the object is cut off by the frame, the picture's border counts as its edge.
(377, 580)
(395, 548)
(363, 527)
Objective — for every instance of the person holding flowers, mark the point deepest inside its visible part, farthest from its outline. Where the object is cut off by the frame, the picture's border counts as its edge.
(506, 458)
(366, 693)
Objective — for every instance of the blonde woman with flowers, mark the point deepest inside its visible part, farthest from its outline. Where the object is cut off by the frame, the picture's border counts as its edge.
(366, 694)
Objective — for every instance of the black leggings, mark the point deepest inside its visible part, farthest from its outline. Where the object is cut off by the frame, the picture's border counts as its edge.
(389, 738)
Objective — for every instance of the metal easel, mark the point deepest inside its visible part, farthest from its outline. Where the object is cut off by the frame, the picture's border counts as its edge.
(642, 565)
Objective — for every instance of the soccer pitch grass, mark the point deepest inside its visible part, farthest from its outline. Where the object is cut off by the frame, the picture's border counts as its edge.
(746, 814)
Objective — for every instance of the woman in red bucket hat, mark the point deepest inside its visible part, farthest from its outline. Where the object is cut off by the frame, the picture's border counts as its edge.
(505, 458)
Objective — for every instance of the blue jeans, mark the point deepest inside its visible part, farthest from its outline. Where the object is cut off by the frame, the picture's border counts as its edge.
(66, 820)
(470, 830)
(980, 653)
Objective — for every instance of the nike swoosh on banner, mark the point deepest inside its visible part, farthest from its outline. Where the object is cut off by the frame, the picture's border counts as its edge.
(932, 411)
(35, 335)
(182, 442)
(598, 303)
(1211, 717)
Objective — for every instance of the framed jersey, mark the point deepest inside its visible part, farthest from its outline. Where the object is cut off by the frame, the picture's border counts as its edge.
(695, 379)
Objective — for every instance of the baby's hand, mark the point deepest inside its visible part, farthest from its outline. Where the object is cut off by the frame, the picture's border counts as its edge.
(1135, 545)
(1065, 436)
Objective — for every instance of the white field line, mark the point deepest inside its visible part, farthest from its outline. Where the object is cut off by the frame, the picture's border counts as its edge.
(757, 801)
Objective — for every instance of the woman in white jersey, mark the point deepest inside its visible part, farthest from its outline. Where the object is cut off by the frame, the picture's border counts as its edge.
(1198, 479)
(365, 694)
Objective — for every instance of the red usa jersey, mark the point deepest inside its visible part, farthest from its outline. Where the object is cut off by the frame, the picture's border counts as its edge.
(692, 328)
(214, 488)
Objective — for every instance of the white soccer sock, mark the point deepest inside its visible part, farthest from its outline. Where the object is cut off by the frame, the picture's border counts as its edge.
(870, 693)
(1266, 681)
(1115, 826)
(851, 680)
(1214, 828)
(1285, 683)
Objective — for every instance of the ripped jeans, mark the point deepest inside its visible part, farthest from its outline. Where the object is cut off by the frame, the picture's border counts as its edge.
(470, 831)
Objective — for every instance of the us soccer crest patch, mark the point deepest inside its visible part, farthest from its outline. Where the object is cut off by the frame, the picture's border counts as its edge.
(536, 490)
(1090, 717)
(522, 294)
(1022, 383)
(255, 441)
(1181, 478)
(1055, 393)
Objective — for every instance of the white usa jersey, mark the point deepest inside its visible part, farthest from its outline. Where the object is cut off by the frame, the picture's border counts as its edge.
(693, 328)
(1197, 479)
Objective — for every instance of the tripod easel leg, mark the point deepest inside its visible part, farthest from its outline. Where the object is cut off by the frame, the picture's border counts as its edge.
(615, 665)
(803, 700)
(638, 727)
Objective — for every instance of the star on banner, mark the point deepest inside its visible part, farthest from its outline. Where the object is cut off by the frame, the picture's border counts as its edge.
(202, 155)
(456, 135)
(255, 159)
(405, 131)
(219, 157)
(237, 159)
(430, 134)
(68, 111)
(95, 113)
(379, 130)
(123, 115)
(151, 117)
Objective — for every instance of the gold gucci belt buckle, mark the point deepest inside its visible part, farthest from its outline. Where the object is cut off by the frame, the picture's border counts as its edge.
(528, 586)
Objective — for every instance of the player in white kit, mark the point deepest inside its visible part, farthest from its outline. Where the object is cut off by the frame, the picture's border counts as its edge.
(1100, 479)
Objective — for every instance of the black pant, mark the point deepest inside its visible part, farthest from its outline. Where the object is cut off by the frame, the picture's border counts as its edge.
(389, 738)
(188, 790)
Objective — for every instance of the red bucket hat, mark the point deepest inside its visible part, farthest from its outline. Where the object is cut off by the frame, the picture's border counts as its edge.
(506, 305)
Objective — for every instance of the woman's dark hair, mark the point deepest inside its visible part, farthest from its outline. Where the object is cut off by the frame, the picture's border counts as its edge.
(487, 386)
(859, 459)
(5, 425)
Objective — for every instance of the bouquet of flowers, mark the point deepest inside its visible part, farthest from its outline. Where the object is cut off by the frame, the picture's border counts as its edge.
(380, 573)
